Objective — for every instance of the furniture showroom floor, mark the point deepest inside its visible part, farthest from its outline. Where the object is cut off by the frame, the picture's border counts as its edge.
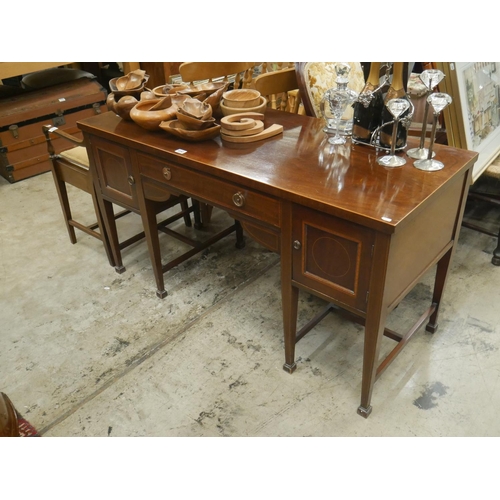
(85, 351)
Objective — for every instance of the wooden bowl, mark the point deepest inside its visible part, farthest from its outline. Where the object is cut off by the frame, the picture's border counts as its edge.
(178, 129)
(194, 123)
(196, 109)
(203, 88)
(226, 110)
(241, 98)
(150, 113)
(169, 89)
(122, 106)
(119, 89)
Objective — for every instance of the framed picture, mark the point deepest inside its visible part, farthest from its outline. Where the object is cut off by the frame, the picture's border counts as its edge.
(473, 119)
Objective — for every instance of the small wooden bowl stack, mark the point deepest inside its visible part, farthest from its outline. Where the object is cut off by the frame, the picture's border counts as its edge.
(247, 127)
(236, 101)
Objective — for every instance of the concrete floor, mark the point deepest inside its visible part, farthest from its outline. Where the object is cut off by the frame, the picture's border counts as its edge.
(85, 351)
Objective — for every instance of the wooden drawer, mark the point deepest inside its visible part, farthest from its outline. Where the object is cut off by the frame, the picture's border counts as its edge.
(236, 199)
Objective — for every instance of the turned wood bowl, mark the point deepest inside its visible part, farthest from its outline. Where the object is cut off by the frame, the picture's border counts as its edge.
(227, 110)
(150, 113)
(241, 98)
(169, 89)
(121, 106)
(194, 123)
(178, 129)
(120, 88)
(203, 88)
(196, 109)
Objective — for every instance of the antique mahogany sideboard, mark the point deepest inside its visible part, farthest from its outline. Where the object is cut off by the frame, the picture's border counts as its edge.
(354, 233)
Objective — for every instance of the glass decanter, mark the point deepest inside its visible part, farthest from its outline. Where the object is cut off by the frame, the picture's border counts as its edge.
(337, 101)
(345, 125)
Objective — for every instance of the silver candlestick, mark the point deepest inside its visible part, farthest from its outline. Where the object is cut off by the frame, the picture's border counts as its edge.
(430, 78)
(438, 101)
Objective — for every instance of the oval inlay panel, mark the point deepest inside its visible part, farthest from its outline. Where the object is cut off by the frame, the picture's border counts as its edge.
(331, 257)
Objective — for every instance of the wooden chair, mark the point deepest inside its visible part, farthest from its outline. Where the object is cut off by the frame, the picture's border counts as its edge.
(73, 167)
(315, 78)
(242, 72)
(483, 194)
(281, 89)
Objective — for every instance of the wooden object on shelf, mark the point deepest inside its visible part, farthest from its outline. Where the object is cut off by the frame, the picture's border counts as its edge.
(23, 152)
(281, 89)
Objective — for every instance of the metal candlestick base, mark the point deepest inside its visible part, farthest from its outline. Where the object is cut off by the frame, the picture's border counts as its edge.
(428, 165)
(419, 153)
(391, 161)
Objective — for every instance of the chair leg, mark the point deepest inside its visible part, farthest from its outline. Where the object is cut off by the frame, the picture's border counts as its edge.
(496, 253)
(62, 193)
(108, 218)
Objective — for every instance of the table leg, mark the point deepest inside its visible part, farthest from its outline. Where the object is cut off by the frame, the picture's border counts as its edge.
(149, 222)
(439, 283)
(374, 331)
(290, 298)
(108, 217)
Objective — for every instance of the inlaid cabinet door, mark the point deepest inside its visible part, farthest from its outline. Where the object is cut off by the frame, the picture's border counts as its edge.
(332, 256)
(115, 172)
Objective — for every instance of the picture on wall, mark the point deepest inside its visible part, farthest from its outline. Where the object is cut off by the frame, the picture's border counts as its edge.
(473, 119)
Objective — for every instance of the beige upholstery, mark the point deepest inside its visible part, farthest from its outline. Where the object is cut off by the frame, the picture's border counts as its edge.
(77, 155)
(315, 78)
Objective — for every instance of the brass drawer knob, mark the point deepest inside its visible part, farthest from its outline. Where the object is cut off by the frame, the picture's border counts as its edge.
(238, 199)
(297, 245)
(167, 173)
(131, 180)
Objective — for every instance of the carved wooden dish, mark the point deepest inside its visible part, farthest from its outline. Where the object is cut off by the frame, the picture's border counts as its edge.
(241, 98)
(178, 129)
(150, 113)
(227, 110)
(194, 123)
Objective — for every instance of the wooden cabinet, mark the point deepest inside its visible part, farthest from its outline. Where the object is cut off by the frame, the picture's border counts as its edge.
(332, 256)
(116, 175)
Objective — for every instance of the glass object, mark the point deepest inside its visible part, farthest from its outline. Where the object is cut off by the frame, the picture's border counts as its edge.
(336, 102)
(397, 108)
(342, 80)
(368, 107)
(438, 101)
(396, 91)
(430, 78)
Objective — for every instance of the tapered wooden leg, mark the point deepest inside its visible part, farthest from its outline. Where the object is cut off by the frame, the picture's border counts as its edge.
(148, 215)
(496, 253)
(103, 232)
(198, 224)
(374, 331)
(240, 237)
(185, 207)
(289, 293)
(62, 193)
(108, 216)
(290, 297)
(439, 283)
